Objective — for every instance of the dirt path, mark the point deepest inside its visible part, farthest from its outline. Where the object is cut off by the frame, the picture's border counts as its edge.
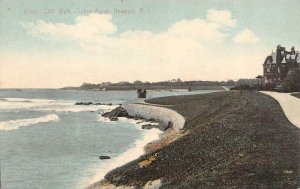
(289, 104)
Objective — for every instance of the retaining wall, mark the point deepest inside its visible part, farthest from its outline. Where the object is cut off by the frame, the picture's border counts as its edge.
(161, 114)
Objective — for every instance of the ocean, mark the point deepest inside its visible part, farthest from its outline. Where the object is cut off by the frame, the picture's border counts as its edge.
(48, 142)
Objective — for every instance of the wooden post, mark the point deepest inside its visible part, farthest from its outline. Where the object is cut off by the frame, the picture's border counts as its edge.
(0, 174)
(259, 78)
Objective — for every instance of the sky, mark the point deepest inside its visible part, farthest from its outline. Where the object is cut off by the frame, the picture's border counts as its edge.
(57, 43)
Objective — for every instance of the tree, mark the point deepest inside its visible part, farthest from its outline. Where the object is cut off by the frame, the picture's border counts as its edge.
(230, 82)
(292, 80)
(137, 82)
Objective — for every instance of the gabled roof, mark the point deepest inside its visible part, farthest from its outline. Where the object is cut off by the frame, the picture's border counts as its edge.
(268, 60)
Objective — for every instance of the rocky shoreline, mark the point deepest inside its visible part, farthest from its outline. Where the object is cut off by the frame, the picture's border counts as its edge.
(230, 140)
(150, 123)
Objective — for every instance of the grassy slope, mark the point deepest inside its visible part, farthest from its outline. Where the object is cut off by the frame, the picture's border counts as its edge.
(296, 95)
(236, 140)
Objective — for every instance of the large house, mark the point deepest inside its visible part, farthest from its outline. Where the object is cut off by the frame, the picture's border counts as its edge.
(278, 64)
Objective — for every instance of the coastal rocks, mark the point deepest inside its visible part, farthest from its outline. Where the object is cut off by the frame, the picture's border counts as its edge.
(151, 126)
(158, 126)
(164, 115)
(170, 125)
(104, 157)
(150, 123)
(113, 119)
(117, 112)
(91, 103)
(83, 103)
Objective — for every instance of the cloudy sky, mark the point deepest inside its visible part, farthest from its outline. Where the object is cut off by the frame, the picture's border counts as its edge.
(48, 44)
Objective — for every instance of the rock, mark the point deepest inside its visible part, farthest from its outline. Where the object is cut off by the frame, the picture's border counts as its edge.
(137, 117)
(113, 119)
(98, 103)
(170, 125)
(150, 120)
(117, 112)
(110, 104)
(130, 117)
(83, 103)
(150, 126)
(104, 157)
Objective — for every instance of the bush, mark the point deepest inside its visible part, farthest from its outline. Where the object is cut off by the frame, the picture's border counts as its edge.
(244, 87)
(292, 80)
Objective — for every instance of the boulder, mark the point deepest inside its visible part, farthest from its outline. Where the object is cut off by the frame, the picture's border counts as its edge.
(169, 126)
(130, 117)
(150, 126)
(117, 112)
(137, 117)
(150, 120)
(113, 119)
(104, 157)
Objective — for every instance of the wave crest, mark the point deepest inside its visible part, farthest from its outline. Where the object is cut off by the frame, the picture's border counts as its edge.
(15, 124)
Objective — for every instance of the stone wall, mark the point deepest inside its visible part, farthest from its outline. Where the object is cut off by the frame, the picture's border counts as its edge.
(161, 114)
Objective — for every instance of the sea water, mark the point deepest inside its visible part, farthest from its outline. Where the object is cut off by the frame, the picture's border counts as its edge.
(48, 142)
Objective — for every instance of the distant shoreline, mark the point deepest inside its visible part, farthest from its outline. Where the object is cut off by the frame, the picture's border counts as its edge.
(157, 88)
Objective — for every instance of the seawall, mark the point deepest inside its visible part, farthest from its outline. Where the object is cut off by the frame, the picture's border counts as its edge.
(158, 113)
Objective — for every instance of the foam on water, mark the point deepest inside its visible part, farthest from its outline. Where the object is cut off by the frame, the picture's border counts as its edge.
(27, 100)
(104, 119)
(127, 156)
(15, 124)
(23, 104)
(68, 138)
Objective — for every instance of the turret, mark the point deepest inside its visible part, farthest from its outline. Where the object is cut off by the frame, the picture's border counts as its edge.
(293, 50)
(280, 53)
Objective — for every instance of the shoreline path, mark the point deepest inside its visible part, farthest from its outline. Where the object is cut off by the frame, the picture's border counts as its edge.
(289, 104)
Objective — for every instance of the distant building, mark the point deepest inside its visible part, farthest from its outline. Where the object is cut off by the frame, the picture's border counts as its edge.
(141, 93)
(278, 64)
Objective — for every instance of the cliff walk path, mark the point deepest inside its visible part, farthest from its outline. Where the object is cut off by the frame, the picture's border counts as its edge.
(289, 104)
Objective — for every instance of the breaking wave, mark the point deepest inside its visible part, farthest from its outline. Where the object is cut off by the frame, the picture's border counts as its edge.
(15, 124)
(130, 154)
(21, 104)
